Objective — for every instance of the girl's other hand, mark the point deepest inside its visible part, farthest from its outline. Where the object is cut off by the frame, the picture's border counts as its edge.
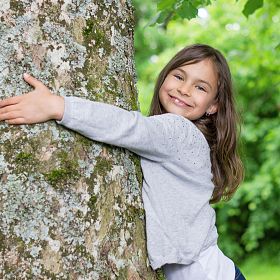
(37, 106)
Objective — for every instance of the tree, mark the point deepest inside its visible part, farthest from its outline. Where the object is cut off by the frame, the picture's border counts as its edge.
(70, 208)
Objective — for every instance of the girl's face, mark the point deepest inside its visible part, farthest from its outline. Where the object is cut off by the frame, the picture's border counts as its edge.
(190, 90)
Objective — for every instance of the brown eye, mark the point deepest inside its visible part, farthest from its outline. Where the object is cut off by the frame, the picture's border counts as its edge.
(178, 77)
(201, 88)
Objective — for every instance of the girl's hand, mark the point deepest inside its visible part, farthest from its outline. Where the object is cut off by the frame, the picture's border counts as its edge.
(37, 106)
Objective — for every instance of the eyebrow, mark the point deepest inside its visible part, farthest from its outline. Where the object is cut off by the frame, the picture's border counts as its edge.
(199, 80)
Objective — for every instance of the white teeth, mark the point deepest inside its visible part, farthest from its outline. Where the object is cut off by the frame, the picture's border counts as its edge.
(179, 102)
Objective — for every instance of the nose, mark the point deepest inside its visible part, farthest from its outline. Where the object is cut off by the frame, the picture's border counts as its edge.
(184, 89)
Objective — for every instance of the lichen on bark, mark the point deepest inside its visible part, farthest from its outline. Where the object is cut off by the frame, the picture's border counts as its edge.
(70, 208)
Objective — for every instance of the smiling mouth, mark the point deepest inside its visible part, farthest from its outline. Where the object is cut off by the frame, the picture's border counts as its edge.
(179, 102)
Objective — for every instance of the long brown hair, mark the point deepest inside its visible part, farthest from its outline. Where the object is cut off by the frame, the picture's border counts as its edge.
(219, 129)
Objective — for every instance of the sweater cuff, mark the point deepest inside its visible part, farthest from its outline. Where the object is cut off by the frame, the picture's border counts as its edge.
(68, 108)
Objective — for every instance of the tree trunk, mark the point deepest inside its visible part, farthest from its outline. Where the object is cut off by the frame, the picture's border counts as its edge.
(70, 207)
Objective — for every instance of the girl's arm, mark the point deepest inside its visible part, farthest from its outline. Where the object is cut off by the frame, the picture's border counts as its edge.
(145, 136)
(150, 137)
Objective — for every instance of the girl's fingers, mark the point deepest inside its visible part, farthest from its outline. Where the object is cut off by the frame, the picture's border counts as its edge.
(37, 106)
(32, 81)
(16, 121)
(9, 115)
(10, 101)
(16, 99)
(8, 109)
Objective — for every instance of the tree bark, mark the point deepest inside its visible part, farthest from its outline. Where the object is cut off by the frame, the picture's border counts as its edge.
(70, 208)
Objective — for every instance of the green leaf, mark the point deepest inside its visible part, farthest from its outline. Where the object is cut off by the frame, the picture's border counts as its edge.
(160, 18)
(165, 4)
(277, 47)
(153, 20)
(251, 6)
(163, 17)
(187, 10)
(199, 3)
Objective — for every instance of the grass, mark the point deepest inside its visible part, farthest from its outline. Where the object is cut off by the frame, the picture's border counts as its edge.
(259, 267)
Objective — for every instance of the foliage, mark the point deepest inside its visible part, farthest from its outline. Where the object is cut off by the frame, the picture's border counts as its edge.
(172, 9)
(263, 266)
(251, 6)
(250, 220)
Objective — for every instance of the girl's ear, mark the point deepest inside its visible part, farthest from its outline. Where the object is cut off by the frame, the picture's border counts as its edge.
(212, 109)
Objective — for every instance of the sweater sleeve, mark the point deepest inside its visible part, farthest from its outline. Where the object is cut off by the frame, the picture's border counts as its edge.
(150, 137)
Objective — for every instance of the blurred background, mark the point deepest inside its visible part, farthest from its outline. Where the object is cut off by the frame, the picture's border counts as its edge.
(249, 224)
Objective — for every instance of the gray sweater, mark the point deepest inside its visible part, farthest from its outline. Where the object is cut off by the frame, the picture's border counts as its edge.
(175, 160)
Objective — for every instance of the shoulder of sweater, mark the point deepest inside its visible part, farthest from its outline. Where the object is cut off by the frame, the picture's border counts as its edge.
(183, 124)
(179, 120)
(172, 117)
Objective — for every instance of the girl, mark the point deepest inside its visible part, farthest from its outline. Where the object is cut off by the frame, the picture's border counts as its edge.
(188, 154)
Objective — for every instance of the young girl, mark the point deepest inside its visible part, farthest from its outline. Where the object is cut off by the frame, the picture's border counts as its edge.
(188, 155)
